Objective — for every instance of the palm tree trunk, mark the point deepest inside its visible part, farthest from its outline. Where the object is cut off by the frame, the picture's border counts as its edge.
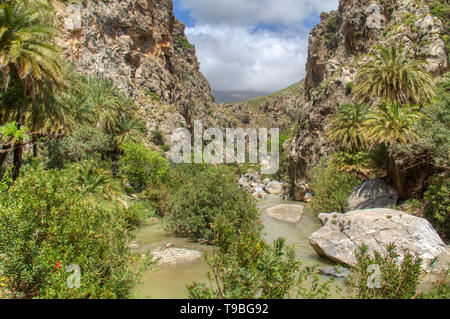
(17, 159)
(35, 146)
(3, 154)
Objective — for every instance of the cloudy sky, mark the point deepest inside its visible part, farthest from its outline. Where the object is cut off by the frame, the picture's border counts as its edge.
(258, 45)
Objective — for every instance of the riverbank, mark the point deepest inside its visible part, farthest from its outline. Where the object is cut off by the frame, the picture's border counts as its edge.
(169, 281)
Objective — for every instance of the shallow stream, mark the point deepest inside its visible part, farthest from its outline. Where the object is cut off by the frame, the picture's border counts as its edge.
(170, 282)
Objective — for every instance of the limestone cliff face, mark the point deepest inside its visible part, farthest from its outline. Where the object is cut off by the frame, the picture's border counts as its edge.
(142, 47)
(337, 47)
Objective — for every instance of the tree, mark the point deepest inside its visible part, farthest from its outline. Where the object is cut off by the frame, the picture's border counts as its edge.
(29, 59)
(105, 103)
(346, 126)
(394, 75)
(391, 123)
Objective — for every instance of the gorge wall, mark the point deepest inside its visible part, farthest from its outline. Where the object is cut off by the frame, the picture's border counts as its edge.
(338, 46)
(142, 47)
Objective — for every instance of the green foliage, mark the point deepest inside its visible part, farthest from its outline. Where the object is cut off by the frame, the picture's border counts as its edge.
(27, 49)
(346, 124)
(47, 225)
(437, 209)
(391, 123)
(400, 274)
(183, 42)
(331, 188)
(349, 87)
(157, 137)
(331, 34)
(138, 214)
(244, 266)
(440, 289)
(441, 9)
(394, 75)
(105, 104)
(153, 96)
(11, 133)
(82, 144)
(433, 143)
(203, 197)
(141, 166)
(366, 163)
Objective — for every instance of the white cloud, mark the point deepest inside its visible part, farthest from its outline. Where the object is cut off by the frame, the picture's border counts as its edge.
(247, 12)
(236, 53)
(234, 58)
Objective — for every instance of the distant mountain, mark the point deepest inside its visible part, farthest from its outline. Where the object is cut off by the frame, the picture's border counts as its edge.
(236, 96)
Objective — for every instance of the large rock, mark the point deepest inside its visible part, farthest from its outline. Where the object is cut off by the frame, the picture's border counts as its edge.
(342, 234)
(274, 187)
(286, 213)
(374, 193)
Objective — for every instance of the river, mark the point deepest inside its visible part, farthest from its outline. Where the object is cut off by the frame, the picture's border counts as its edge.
(170, 282)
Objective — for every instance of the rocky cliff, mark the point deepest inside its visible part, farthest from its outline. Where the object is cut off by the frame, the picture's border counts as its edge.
(338, 45)
(142, 47)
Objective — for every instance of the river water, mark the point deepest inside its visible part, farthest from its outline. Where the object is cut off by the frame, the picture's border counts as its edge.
(170, 282)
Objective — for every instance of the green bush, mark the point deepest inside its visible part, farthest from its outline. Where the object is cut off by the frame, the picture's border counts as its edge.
(432, 147)
(331, 188)
(244, 266)
(437, 208)
(82, 144)
(202, 197)
(399, 275)
(139, 213)
(141, 166)
(157, 137)
(47, 225)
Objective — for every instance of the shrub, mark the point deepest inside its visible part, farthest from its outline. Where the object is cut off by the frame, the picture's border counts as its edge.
(138, 214)
(141, 166)
(46, 225)
(157, 137)
(399, 275)
(349, 87)
(432, 147)
(244, 266)
(204, 196)
(82, 144)
(331, 188)
(437, 208)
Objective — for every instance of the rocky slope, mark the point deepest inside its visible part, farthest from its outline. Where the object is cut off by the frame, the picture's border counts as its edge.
(142, 47)
(337, 47)
(279, 109)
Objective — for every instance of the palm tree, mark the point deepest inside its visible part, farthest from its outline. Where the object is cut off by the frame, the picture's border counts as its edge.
(391, 123)
(129, 130)
(346, 126)
(394, 75)
(28, 57)
(106, 103)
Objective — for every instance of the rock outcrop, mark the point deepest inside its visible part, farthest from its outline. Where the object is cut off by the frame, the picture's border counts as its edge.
(141, 46)
(375, 193)
(286, 213)
(342, 234)
(252, 183)
(338, 46)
